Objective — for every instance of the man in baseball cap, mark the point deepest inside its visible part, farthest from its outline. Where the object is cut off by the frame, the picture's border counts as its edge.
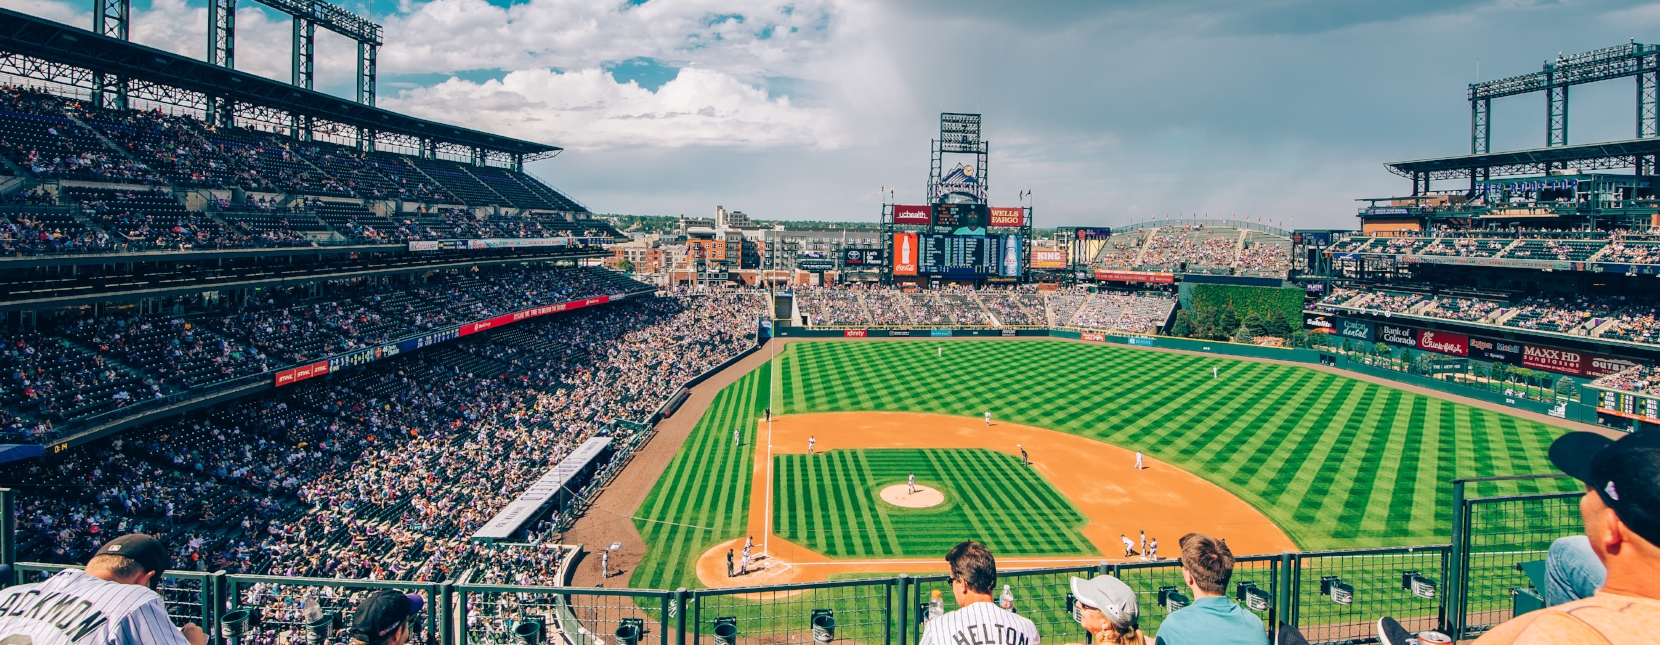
(1621, 511)
(112, 601)
(1107, 609)
(384, 617)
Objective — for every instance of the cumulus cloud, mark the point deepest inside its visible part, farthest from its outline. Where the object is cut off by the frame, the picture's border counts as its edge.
(588, 109)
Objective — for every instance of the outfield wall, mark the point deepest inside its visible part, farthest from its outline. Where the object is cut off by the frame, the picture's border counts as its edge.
(1567, 410)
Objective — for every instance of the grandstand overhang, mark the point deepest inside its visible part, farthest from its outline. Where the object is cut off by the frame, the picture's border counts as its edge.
(1537, 161)
(35, 48)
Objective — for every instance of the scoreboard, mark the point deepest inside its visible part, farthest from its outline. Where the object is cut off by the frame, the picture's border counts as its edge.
(956, 254)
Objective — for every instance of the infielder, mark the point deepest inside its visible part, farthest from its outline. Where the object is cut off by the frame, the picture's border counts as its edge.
(1025, 460)
(912, 483)
(1138, 460)
(810, 442)
(988, 419)
(604, 564)
(1144, 545)
(112, 601)
(1129, 545)
(1153, 549)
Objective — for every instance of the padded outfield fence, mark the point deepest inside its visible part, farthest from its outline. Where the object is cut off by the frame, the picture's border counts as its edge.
(1462, 588)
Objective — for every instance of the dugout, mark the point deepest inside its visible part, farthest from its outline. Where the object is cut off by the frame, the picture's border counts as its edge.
(550, 493)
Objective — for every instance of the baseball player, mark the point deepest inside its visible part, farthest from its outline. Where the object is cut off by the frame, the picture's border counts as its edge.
(1153, 549)
(912, 482)
(810, 442)
(737, 438)
(988, 419)
(1144, 545)
(749, 542)
(743, 567)
(1129, 545)
(768, 412)
(1214, 373)
(977, 619)
(1025, 460)
(939, 351)
(604, 564)
(1138, 460)
(729, 563)
(112, 602)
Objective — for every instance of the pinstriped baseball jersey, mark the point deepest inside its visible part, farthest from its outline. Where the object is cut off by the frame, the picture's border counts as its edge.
(981, 623)
(73, 608)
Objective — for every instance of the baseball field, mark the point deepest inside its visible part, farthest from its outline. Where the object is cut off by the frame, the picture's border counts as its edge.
(1332, 461)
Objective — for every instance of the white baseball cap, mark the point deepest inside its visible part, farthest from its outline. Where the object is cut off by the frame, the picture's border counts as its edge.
(1109, 595)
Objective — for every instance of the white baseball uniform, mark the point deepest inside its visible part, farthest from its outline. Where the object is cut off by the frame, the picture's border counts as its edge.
(73, 608)
(912, 482)
(1138, 460)
(984, 623)
(1129, 545)
(810, 442)
(988, 418)
(736, 435)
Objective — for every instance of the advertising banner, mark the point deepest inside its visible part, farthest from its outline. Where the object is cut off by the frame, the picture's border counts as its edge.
(1094, 337)
(862, 257)
(429, 338)
(1357, 329)
(423, 246)
(904, 253)
(359, 357)
(1444, 342)
(1600, 365)
(1093, 233)
(939, 332)
(1398, 335)
(1320, 323)
(1001, 216)
(1492, 349)
(1011, 264)
(301, 373)
(1561, 361)
(1048, 258)
(913, 215)
(1136, 276)
(853, 333)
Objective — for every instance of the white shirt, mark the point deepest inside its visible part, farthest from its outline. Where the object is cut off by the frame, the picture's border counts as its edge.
(981, 623)
(72, 607)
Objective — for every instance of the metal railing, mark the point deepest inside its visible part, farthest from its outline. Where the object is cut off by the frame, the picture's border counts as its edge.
(1462, 588)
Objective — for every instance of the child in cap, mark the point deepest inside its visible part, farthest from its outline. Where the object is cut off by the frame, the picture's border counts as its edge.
(383, 618)
(1108, 611)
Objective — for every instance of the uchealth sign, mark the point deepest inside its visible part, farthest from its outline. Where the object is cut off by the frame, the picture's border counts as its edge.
(913, 215)
(1444, 342)
(1562, 361)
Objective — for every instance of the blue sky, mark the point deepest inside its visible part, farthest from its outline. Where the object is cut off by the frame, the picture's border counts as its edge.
(1107, 111)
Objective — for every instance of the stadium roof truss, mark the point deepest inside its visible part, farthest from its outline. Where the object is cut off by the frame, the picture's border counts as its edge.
(43, 50)
(1538, 161)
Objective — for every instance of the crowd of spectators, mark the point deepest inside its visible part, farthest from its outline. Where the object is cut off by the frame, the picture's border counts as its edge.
(1643, 379)
(1196, 247)
(1617, 317)
(385, 470)
(859, 305)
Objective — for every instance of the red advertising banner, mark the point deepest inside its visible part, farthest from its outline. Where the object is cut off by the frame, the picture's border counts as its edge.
(904, 253)
(1048, 258)
(301, 373)
(917, 215)
(1008, 216)
(1598, 365)
(1444, 342)
(1099, 338)
(1561, 361)
(1136, 276)
(853, 333)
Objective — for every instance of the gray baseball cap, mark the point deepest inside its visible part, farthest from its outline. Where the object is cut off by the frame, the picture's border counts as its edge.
(1110, 595)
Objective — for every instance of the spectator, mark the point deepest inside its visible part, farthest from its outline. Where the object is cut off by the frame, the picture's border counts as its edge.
(116, 595)
(1621, 511)
(386, 617)
(973, 577)
(1212, 619)
(1572, 571)
(1108, 610)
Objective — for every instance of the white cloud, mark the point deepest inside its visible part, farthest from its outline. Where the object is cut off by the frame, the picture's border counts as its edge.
(589, 110)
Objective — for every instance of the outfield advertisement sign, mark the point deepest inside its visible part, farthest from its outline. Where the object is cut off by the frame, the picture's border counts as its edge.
(1319, 323)
(1093, 337)
(1135, 276)
(1357, 329)
(1598, 365)
(1010, 217)
(1398, 335)
(301, 373)
(913, 215)
(862, 257)
(1492, 349)
(1444, 342)
(1048, 258)
(1562, 361)
(904, 253)
(854, 333)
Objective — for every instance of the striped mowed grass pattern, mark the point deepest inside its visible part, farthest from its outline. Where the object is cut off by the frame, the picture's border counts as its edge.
(702, 498)
(830, 503)
(1335, 461)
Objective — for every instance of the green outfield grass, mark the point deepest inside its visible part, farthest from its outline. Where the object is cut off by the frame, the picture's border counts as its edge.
(1336, 462)
(829, 502)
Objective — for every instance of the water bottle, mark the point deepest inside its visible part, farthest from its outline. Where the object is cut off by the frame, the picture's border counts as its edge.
(1007, 601)
(936, 605)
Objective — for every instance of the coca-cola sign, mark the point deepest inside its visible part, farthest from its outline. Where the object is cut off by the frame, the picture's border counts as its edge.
(1444, 342)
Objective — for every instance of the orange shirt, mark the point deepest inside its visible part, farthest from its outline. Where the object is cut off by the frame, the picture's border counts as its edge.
(1602, 618)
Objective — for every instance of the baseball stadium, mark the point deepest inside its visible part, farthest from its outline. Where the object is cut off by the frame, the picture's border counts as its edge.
(318, 349)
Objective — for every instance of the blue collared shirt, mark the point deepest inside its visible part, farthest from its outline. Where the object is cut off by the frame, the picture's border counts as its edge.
(1212, 620)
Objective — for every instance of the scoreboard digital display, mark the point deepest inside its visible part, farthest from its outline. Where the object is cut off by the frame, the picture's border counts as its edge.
(956, 254)
(962, 219)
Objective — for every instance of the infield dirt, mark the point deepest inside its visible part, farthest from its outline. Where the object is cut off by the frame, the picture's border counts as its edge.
(1099, 478)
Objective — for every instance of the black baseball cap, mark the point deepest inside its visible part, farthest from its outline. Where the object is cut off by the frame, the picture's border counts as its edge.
(1624, 473)
(382, 612)
(143, 549)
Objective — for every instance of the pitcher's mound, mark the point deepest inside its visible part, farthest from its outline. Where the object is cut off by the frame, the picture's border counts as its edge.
(901, 495)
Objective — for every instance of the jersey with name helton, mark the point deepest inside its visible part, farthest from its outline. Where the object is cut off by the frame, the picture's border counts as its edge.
(981, 623)
(73, 608)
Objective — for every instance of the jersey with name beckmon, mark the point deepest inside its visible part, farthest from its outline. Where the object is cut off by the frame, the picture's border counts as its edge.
(981, 623)
(73, 608)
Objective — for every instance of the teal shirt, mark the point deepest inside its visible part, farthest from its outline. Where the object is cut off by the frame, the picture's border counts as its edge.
(1213, 620)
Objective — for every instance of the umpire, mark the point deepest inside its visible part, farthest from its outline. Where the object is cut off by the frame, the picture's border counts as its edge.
(112, 602)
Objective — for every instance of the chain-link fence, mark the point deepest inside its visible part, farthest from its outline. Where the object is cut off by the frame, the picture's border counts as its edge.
(511, 614)
(850, 611)
(1160, 590)
(1338, 596)
(1492, 536)
(284, 610)
(181, 591)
